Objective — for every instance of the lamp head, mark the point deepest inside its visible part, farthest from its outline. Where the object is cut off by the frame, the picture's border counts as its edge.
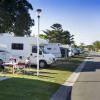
(38, 12)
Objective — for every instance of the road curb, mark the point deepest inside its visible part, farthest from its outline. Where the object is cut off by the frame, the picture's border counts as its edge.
(63, 93)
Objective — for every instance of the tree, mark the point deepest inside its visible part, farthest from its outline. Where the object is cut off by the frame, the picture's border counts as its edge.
(74, 45)
(90, 47)
(15, 17)
(58, 35)
(96, 45)
(56, 26)
(67, 38)
(42, 36)
(81, 46)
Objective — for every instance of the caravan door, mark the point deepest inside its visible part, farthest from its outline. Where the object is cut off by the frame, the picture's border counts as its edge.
(34, 55)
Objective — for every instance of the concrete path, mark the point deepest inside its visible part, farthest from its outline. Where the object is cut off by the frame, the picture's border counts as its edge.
(3, 78)
(87, 87)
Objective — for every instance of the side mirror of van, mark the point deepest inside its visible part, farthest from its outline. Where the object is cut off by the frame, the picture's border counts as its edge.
(40, 52)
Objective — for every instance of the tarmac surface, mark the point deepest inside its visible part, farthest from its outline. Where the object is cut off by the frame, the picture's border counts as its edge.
(87, 86)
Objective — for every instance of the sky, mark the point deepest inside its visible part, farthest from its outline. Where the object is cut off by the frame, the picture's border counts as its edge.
(80, 17)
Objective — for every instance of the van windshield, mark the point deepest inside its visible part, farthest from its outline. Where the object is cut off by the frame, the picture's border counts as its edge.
(44, 51)
(34, 50)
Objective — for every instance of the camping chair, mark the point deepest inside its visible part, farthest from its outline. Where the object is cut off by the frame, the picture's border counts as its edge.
(19, 67)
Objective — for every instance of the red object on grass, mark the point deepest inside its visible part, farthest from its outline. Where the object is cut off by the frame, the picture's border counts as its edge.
(21, 64)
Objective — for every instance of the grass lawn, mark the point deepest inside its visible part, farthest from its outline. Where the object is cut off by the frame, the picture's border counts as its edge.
(30, 87)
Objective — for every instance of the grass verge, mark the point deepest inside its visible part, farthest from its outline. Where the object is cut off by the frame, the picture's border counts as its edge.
(30, 87)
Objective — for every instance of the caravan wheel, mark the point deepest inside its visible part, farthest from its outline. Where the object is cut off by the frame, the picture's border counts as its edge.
(42, 64)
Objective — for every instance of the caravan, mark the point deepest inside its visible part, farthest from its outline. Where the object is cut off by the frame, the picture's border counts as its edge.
(24, 46)
(58, 50)
(53, 48)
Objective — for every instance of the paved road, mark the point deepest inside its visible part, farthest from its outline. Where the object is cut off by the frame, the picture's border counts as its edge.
(87, 86)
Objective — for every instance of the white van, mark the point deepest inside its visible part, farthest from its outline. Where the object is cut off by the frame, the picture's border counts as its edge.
(24, 46)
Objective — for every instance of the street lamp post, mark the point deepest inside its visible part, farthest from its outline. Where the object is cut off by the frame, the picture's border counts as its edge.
(38, 16)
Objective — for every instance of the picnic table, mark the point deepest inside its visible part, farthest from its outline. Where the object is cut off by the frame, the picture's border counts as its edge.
(15, 65)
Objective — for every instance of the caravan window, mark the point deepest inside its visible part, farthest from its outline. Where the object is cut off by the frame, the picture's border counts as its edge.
(34, 49)
(17, 46)
(49, 48)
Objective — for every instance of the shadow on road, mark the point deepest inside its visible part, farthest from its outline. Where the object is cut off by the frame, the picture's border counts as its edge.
(91, 66)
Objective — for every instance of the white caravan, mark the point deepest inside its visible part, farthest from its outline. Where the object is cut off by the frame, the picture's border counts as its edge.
(11, 46)
(53, 48)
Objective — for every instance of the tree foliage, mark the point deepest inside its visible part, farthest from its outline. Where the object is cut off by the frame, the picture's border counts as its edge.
(15, 17)
(74, 45)
(42, 36)
(81, 46)
(56, 26)
(90, 47)
(58, 35)
(96, 45)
